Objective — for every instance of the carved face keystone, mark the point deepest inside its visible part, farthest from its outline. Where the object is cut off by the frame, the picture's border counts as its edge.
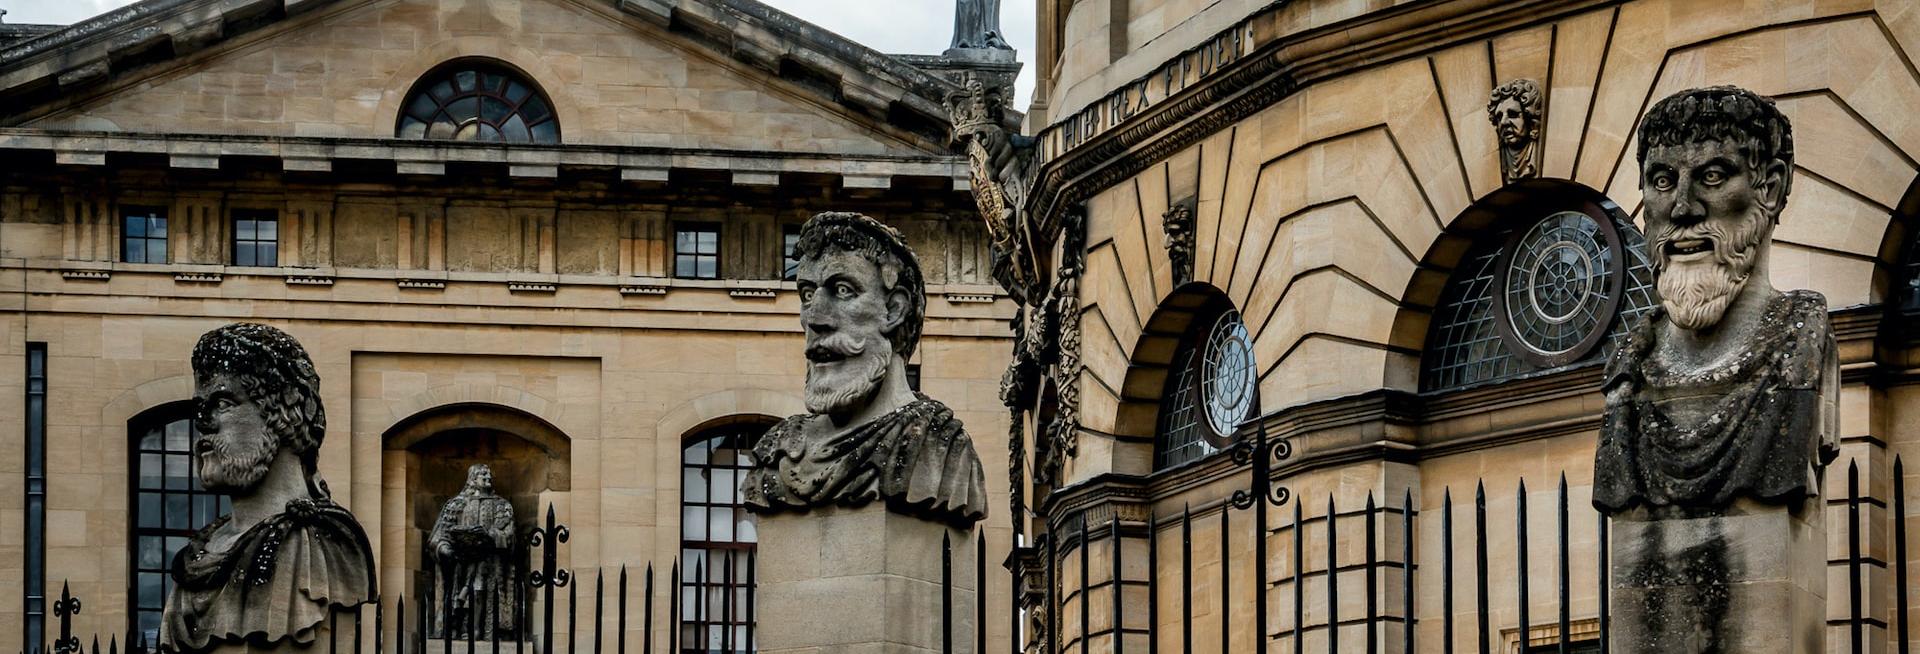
(846, 313)
(1511, 118)
(1709, 216)
(236, 445)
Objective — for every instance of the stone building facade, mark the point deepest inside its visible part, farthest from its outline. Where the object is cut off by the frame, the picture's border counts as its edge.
(548, 235)
(1305, 218)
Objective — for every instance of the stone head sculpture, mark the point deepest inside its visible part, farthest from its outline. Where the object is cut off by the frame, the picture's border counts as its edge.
(861, 304)
(257, 396)
(479, 478)
(1716, 167)
(866, 435)
(1515, 109)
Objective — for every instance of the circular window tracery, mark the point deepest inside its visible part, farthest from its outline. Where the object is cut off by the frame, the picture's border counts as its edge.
(477, 101)
(1559, 286)
(1227, 376)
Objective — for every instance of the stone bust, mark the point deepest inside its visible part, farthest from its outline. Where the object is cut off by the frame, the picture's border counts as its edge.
(1515, 109)
(471, 541)
(270, 573)
(866, 435)
(1728, 390)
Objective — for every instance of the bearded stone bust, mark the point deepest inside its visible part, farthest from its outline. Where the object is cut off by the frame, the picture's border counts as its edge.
(269, 574)
(1728, 390)
(866, 436)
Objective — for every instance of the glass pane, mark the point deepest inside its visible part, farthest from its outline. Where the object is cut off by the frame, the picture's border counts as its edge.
(136, 226)
(517, 92)
(744, 528)
(683, 241)
(152, 592)
(693, 523)
(412, 129)
(422, 109)
(267, 254)
(175, 544)
(547, 132)
(203, 508)
(725, 456)
(179, 436)
(149, 511)
(156, 250)
(726, 489)
(152, 553)
(721, 523)
(178, 514)
(466, 79)
(515, 130)
(243, 229)
(243, 254)
(709, 268)
(442, 91)
(709, 242)
(696, 453)
(152, 471)
(150, 441)
(179, 468)
(693, 485)
(535, 110)
(494, 111)
(488, 133)
(269, 229)
(683, 266)
(441, 129)
(156, 227)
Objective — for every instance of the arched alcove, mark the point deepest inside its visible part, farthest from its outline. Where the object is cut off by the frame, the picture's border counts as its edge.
(431, 451)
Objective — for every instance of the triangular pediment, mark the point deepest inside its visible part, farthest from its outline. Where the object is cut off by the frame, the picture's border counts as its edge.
(691, 74)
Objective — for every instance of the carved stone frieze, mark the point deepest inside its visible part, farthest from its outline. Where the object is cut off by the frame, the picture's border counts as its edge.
(1001, 165)
(1063, 306)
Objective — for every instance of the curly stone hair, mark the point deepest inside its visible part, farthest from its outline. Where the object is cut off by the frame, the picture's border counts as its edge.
(883, 245)
(1526, 92)
(1721, 113)
(276, 374)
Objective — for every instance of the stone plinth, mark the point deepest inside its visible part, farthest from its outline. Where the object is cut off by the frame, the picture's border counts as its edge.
(859, 581)
(1749, 579)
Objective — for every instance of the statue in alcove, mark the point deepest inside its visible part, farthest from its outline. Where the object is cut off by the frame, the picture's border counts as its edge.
(270, 574)
(472, 545)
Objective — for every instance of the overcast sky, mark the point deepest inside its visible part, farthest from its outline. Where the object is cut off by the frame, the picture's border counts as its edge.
(902, 27)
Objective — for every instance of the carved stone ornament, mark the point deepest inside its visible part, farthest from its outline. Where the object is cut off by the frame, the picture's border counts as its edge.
(1728, 389)
(866, 436)
(1515, 110)
(472, 544)
(1063, 305)
(269, 580)
(1177, 222)
(1001, 165)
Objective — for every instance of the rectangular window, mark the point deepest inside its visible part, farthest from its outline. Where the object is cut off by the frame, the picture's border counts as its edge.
(789, 258)
(36, 527)
(913, 377)
(256, 238)
(696, 250)
(143, 235)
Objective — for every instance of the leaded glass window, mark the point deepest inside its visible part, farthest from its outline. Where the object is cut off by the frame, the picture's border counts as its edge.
(473, 100)
(717, 538)
(168, 507)
(1539, 295)
(1211, 388)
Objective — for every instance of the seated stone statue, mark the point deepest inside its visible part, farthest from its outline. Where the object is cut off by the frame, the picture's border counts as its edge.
(867, 436)
(269, 574)
(472, 540)
(1728, 389)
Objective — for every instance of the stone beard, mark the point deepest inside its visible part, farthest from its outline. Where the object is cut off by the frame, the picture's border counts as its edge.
(1728, 390)
(866, 435)
(274, 570)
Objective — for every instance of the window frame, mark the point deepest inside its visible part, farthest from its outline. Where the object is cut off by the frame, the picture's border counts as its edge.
(425, 88)
(698, 227)
(34, 549)
(1183, 396)
(152, 215)
(789, 243)
(235, 241)
(696, 627)
(157, 420)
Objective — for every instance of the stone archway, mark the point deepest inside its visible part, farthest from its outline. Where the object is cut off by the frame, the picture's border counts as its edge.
(426, 456)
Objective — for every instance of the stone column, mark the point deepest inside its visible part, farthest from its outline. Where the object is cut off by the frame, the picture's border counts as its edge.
(859, 581)
(1749, 578)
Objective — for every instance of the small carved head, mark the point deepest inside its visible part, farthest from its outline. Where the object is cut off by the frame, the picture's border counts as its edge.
(861, 303)
(480, 478)
(257, 393)
(1716, 165)
(1514, 108)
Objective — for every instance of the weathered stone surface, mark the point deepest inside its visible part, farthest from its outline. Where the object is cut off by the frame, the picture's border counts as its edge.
(1751, 578)
(877, 573)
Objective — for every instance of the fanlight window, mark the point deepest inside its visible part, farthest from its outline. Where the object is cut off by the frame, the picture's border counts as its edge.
(478, 101)
(1556, 290)
(1211, 389)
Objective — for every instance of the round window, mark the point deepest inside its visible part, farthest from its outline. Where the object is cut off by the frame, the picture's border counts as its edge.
(1228, 383)
(1559, 287)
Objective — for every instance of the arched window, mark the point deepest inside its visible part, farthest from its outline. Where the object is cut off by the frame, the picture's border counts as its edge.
(717, 536)
(477, 100)
(1211, 388)
(1555, 285)
(168, 506)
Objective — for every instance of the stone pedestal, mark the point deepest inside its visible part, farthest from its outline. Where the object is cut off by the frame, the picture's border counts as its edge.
(859, 581)
(1749, 579)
